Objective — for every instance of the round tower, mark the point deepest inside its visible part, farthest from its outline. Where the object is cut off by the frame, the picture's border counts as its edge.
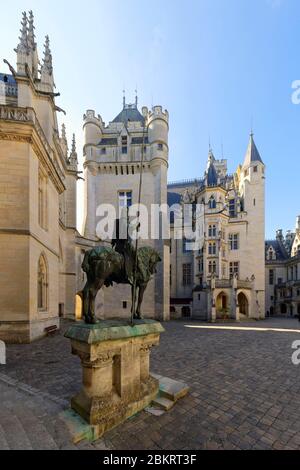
(158, 129)
(92, 127)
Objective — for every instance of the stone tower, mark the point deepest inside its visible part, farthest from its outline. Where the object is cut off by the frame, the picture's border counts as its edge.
(37, 198)
(112, 167)
(252, 190)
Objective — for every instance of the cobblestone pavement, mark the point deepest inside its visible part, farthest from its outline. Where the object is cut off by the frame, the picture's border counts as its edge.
(244, 391)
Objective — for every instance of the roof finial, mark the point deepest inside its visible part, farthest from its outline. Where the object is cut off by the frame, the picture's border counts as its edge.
(251, 130)
(136, 97)
(124, 99)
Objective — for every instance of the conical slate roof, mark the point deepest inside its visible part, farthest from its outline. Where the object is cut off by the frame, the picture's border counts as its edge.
(212, 175)
(252, 154)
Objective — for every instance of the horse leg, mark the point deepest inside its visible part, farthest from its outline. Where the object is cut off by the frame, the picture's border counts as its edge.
(93, 291)
(133, 294)
(142, 289)
(86, 302)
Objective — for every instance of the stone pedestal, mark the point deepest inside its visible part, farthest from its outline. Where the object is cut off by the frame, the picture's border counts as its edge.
(115, 358)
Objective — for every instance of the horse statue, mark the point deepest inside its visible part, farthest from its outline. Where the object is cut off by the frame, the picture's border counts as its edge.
(107, 265)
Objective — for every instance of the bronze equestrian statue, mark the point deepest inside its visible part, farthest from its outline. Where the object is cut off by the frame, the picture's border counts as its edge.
(105, 265)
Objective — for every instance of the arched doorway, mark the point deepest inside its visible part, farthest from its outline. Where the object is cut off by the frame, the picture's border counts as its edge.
(186, 311)
(283, 309)
(78, 306)
(222, 305)
(243, 304)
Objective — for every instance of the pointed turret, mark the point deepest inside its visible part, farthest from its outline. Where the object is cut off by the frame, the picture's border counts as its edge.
(252, 154)
(32, 46)
(22, 49)
(47, 68)
(211, 175)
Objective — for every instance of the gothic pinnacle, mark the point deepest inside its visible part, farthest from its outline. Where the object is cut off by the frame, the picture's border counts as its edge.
(23, 44)
(63, 132)
(31, 28)
(47, 60)
(73, 144)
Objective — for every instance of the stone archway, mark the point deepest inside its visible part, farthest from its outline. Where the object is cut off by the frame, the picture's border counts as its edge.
(243, 304)
(78, 306)
(222, 305)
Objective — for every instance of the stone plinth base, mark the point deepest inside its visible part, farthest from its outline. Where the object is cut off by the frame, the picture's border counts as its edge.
(115, 359)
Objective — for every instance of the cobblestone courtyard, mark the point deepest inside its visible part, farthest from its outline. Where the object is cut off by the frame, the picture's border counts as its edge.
(244, 391)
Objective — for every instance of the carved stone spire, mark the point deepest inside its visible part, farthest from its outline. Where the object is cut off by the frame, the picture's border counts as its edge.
(31, 28)
(22, 48)
(73, 160)
(23, 44)
(63, 141)
(32, 45)
(47, 68)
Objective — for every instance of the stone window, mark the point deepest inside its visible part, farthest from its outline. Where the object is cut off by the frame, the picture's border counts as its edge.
(234, 241)
(124, 144)
(160, 146)
(42, 199)
(234, 268)
(212, 230)
(232, 208)
(103, 151)
(125, 199)
(212, 267)
(185, 246)
(212, 203)
(42, 286)
(255, 169)
(212, 248)
(271, 277)
(187, 274)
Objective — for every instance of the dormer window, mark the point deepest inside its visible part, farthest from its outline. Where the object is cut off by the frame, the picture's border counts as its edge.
(124, 144)
(255, 169)
(271, 254)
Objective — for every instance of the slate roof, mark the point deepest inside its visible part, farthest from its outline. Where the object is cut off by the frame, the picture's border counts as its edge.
(281, 253)
(129, 113)
(252, 154)
(9, 79)
(212, 175)
(109, 141)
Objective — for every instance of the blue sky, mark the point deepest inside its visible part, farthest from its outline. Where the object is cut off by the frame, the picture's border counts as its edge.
(216, 65)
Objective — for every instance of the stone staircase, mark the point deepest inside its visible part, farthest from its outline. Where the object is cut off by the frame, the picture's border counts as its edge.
(170, 391)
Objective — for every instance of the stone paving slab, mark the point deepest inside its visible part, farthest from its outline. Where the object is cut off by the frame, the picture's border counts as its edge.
(244, 390)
